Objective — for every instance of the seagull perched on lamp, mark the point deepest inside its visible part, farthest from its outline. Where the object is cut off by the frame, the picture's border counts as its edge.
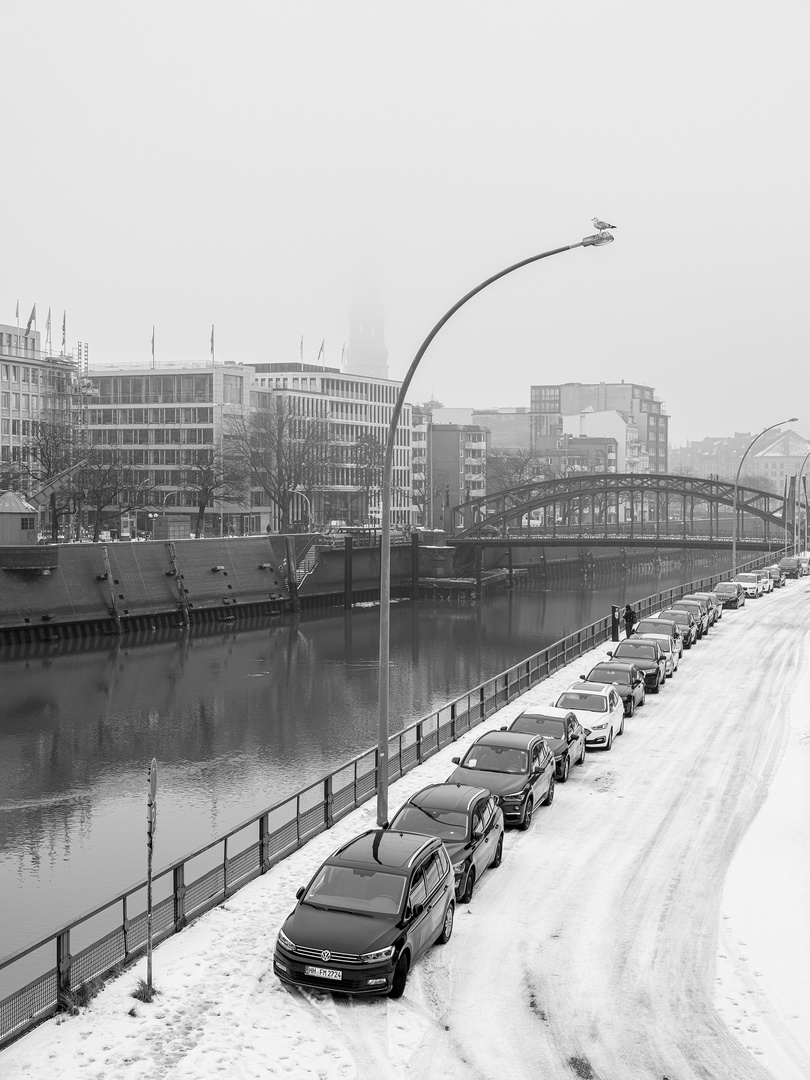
(601, 225)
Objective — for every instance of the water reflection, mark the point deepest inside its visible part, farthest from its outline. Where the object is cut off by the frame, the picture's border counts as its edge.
(237, 721)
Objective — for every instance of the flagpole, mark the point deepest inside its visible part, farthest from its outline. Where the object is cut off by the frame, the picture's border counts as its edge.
(153, 348)
(213, 361)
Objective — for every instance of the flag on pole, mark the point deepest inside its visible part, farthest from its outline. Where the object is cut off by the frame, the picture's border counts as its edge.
(64, 316)
(32, 318)
(18, 313)
(153, 346)
(48, 324)
(212, 343)
(320, 351)
(301, 348)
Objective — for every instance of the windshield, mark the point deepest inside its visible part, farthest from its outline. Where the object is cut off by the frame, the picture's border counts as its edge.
(680, 617)
(350, 889)
(609, 675)
(555, 729)
(746, 577)
(503, 759)
(636, 649)
(585, 702)
(446, 824)
(653, 626)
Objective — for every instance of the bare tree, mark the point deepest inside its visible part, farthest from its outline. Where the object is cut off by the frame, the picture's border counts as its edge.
(212, 476)
(283, 450)
(368, 458)
(52, 452)
(107, 485)
(512, 468)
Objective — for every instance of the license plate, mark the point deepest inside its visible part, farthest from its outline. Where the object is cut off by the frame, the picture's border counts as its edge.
(323, 973)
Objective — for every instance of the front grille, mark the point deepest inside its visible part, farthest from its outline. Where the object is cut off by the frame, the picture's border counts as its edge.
(316, 955)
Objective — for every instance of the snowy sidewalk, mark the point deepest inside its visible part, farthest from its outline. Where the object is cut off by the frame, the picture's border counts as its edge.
(574, 915)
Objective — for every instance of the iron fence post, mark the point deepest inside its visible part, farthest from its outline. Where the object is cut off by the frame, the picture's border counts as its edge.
(179, 893)
(328, 802)
(63, 961)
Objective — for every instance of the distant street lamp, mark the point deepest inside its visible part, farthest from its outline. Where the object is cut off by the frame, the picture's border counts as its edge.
(792, 420)
(797, 525)
(596, 240)
(301, 495)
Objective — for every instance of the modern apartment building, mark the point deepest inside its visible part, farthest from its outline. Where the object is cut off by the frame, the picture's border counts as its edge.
(34, 386)
(636, 402)
(458, 465)
(359, 409)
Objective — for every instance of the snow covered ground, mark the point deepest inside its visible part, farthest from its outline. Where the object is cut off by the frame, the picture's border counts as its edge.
(652, 922)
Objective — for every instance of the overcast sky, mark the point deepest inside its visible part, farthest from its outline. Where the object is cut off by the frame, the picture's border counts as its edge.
(188, 163)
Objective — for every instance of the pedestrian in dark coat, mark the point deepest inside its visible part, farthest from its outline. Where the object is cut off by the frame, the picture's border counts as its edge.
(629, 620)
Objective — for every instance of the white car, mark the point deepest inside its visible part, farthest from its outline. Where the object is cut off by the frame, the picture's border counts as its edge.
(598, 708)
(751, 583)
(766, 579)
(667, 646)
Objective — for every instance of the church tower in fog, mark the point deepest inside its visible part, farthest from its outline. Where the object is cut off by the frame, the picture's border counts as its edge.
(366, 353)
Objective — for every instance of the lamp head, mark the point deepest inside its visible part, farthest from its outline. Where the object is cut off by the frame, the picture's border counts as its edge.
(598, 239)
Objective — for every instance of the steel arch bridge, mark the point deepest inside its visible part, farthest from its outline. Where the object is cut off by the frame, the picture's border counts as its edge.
(620, 506)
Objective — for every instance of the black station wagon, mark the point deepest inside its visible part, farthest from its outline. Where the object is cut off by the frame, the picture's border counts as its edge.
(467, 819)
(517, 768)
(368, 914)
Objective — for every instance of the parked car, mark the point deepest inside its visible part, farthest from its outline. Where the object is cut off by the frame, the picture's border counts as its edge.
(790, 567)
(647, 657)
(751, 583)
(561, 730)
(468, 820)
(517, 768)
(766, 579)
(368, 914)
(685, 620)
(778, 578)
(731, 593)
(662, 626)
(667, 647)
(804, 564)
(626, 677)
(698, 608)
(598, 708)
(713, 600)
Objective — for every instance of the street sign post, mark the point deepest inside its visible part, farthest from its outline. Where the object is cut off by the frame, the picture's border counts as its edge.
(151, 820)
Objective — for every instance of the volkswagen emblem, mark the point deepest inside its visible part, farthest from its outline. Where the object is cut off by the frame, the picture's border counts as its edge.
(326, 955)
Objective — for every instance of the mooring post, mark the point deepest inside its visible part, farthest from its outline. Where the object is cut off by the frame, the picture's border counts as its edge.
(414, 565)
(292, 580)
(348, 585)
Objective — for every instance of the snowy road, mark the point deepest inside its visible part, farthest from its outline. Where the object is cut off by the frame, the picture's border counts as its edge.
(594, 951)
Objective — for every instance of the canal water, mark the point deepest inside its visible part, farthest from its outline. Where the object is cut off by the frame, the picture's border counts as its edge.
(236, 719)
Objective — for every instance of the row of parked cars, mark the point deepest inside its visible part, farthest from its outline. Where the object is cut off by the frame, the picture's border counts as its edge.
(379, 901)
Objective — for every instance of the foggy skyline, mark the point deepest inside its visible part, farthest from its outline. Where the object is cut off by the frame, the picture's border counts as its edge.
(203, 163)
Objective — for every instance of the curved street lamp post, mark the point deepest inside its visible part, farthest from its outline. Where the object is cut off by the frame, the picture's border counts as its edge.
(797, 525)
(597, 240)
(791, 420)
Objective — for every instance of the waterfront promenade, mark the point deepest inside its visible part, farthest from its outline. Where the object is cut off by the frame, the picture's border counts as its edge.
(651, 923)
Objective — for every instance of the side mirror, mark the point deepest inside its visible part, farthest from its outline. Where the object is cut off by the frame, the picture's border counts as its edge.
(417, 910)
(583, 677)
(477, 834)
(610, 654)
(300, 893)
(456, 760)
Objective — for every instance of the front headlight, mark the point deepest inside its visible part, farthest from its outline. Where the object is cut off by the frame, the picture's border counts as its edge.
(285, 942)
(599, 727)
(515, 795)
(378, 956)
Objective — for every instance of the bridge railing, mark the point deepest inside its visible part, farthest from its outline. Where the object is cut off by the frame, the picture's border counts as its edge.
(39, 979)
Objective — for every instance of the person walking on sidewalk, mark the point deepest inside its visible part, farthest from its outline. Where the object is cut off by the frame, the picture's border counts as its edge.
(629, 620)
